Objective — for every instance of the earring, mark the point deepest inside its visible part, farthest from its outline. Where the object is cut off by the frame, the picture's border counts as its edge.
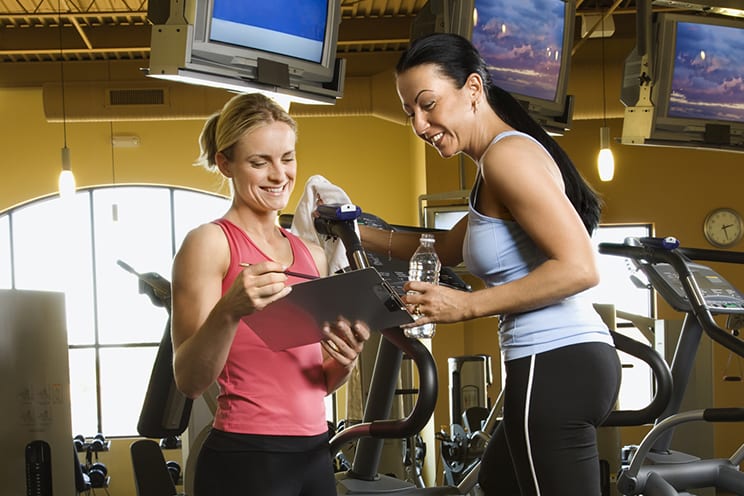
(474, 106)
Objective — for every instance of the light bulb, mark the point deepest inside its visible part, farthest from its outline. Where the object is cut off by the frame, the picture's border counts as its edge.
(66, 177)
(606, 164)
(66, 184)
(605, 159)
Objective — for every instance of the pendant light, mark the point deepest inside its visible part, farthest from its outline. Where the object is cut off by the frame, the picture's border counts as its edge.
(605, 159)
(66, 177)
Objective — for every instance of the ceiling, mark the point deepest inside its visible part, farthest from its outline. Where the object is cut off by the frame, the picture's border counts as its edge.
(105, 45)
(96, 30)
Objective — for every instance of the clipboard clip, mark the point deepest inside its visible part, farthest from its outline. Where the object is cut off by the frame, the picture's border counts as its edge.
(389, 297)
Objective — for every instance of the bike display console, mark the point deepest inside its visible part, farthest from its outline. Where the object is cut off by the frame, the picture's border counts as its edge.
(720, 296)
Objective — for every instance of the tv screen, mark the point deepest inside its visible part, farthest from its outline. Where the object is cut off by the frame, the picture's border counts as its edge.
(708, 76)
(266, 26)
(252, 46)
(698, 87)
(527, 46)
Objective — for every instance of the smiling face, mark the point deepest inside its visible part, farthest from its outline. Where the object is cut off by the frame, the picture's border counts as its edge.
(440, 113)
(263, 167)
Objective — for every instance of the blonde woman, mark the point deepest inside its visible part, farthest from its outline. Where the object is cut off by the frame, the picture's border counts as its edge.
(270, 434)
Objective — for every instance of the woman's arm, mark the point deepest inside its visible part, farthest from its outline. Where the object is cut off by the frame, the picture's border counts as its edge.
(402, 244)
(203, 321)
(522, 178)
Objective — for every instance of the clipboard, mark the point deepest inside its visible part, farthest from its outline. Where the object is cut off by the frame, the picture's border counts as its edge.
(298, 318)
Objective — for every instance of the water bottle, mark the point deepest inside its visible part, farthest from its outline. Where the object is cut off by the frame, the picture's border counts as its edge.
(424, 266)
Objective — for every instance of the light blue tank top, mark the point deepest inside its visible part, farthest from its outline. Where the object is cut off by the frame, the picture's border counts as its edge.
(498, 251)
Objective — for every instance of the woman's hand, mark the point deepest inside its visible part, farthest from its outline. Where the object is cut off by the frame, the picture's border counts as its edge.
(345, 341)
(255, 287)
(434, 303)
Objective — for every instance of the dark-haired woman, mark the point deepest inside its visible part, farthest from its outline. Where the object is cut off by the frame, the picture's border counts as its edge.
(527, 236)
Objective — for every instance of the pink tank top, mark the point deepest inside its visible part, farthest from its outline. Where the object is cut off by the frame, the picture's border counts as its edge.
(263, 391)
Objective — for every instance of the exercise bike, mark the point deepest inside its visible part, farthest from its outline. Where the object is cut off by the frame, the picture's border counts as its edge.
(363, 477)
(700, 293)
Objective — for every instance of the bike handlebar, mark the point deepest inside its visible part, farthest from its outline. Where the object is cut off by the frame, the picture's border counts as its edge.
(422, 410)
(664, 386)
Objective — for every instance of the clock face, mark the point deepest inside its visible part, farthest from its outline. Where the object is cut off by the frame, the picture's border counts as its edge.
(723, 227)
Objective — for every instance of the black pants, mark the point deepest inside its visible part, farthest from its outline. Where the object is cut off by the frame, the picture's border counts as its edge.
(547, 444)
(264, 472)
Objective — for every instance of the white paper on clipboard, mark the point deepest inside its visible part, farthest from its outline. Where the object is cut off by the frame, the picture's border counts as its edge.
(297, 319)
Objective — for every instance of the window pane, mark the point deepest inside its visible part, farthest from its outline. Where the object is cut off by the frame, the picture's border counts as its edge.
(5, 275)
(615, 285)
(141, 237)
(123, 387)
(194, 208)
(83, 392)
(52, 249)
(637, 386)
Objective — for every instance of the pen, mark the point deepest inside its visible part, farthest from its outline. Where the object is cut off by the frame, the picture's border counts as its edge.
(288, 272)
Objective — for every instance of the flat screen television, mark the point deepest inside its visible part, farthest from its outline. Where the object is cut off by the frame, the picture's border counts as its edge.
(527, 46)
(251, 46)
(699, 90)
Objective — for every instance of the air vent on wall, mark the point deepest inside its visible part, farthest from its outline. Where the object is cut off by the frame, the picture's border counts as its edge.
(136, 96)
(101, 101)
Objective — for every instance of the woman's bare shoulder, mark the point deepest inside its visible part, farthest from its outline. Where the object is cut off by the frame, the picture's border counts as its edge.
(205, 242)
(209, 232)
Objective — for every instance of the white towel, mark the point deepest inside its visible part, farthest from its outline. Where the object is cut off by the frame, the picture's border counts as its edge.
(319, 188)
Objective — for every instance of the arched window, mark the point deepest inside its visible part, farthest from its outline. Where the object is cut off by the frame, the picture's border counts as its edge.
(74, 246)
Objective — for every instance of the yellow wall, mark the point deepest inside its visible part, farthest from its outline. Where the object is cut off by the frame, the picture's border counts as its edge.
(352, 152)
(379, 164)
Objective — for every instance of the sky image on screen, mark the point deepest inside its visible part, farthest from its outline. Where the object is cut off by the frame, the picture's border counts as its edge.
(521, 42)
(708, 76)
(266, 26)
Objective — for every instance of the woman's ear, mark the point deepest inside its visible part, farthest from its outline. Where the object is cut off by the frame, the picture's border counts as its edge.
(475, 85)
(223, 164)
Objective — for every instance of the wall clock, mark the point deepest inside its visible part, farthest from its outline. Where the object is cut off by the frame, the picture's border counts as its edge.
(723, 227)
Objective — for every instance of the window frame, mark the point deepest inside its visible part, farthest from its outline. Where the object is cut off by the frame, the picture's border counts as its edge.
(85, 201)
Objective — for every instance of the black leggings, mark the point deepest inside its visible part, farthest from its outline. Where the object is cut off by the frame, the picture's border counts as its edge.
(547, 444)
(264, 473)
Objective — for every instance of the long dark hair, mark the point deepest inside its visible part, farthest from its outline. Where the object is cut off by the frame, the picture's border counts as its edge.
(456, 58)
